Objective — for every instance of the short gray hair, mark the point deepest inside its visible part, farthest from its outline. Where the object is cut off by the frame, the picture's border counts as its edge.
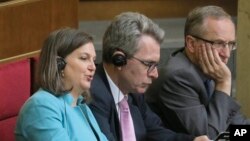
(196, 17)
(125, 31)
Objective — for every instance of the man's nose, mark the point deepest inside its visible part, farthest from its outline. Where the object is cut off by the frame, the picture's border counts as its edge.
(153, 73)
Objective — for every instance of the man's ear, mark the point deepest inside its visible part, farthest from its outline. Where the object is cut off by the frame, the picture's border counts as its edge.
(190, 43)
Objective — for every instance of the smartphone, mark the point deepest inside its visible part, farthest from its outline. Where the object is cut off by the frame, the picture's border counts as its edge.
(223, 136)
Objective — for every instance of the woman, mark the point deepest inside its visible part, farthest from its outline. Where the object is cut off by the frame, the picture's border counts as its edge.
(58, 110)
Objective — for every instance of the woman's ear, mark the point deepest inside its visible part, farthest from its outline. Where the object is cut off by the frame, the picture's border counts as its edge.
(190, 43)
(119, 68)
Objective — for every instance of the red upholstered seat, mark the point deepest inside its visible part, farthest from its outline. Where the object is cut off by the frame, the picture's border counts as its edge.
(7, 127)
(14, 91)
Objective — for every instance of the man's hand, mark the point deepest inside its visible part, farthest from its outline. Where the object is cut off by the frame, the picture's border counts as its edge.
(202, 138)
(212, 65)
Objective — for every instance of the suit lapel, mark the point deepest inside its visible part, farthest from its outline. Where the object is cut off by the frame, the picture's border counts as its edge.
(197, 71)
(137, 113)
(113, 119)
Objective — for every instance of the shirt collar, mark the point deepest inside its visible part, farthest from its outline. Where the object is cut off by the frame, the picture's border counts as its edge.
(116, 93)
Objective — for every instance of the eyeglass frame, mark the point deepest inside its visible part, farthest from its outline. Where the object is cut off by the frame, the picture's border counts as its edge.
(222, 44)
(151, 65)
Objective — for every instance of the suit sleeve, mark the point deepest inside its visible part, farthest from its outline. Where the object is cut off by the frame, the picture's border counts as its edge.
(184, 94)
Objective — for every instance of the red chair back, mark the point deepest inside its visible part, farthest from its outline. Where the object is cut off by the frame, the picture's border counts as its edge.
(15, 89)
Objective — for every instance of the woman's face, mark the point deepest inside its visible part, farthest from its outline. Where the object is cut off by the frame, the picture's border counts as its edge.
(80, 68)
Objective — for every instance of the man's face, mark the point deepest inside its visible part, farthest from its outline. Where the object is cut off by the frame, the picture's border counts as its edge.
(220, 32)
(136, 76)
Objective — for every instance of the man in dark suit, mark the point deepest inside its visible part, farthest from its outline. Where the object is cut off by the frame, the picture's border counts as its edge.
(131, 52)
(192, 94)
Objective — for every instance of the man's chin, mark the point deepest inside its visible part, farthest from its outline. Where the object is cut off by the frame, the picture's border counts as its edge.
(225, 61)
(142, 90)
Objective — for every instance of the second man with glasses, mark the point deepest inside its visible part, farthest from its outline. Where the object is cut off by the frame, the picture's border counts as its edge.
(193, 91)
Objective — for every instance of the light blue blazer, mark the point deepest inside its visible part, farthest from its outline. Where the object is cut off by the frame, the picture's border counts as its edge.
(45, 117)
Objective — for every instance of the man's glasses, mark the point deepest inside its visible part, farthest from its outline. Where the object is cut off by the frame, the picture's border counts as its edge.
(218, 44)
(151, 65)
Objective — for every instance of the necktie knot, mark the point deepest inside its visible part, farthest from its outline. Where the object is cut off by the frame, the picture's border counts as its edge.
(123, 104)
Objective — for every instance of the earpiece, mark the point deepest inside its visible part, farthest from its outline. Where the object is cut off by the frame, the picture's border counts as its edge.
(60, 63)
(119, 58)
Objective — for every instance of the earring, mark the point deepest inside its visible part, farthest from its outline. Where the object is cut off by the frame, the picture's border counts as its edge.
(62, 73)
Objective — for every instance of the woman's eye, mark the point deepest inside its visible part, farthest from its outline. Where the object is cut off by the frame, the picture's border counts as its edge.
(83, 58)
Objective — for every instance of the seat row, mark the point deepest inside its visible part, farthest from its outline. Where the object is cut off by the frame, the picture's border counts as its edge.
(17, 83)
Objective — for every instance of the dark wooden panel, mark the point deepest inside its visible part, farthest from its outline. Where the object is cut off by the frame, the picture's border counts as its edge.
(64, 13)
(25, 24)
(107, 9)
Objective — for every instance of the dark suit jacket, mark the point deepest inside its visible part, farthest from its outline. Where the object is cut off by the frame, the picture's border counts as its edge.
(148, 125)
(180, 98)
